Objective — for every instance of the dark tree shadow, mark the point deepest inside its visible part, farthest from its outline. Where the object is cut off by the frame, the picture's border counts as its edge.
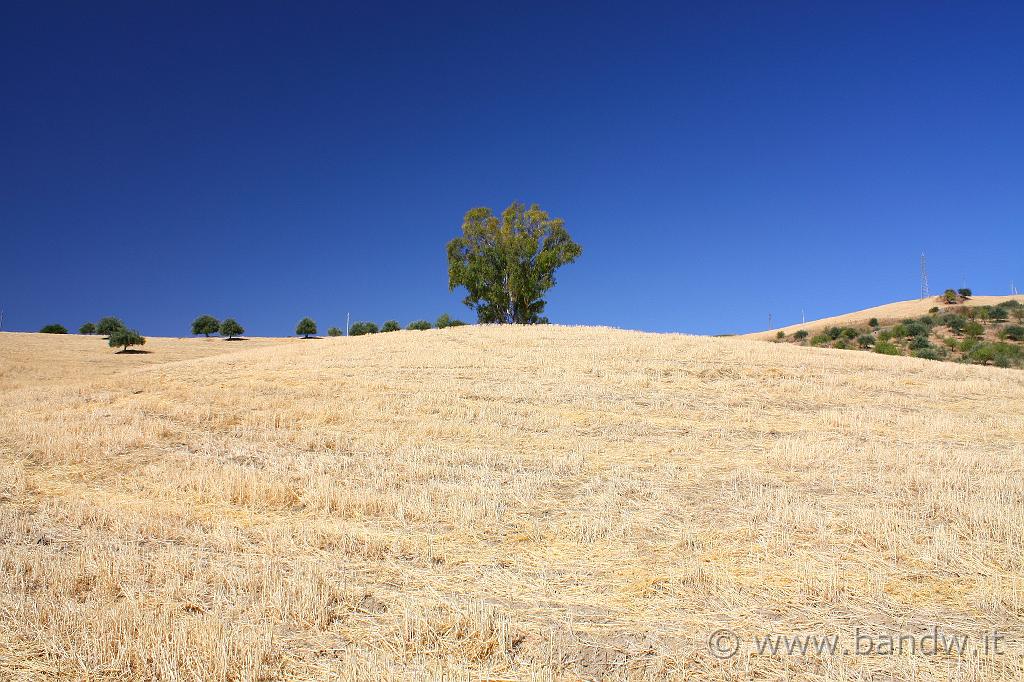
(310, 338)
(236, 338)
(133, 351)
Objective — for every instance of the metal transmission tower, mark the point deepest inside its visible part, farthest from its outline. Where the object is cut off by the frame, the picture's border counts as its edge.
(924, 277)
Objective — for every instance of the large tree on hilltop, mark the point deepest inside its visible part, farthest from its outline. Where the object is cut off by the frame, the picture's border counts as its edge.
(508, 263)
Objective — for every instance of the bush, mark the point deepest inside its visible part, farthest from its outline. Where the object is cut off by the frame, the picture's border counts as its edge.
(443, 320)
(884, 335)
(419, 325)
(1013, 333)
(933, 309)
(849, 332)
(780, 334)
(898, 331)
(873, 323)
(820, 339)
(865, 340)
(968, 344)
(919, 343)
(305, 328)
(955, 323)
(950, 296)
(230, 328)
(965, 293)
(123, 338)
(206, 325)
(917, 329)
(840, 344)
(998, 314)
(107, 325)
(333, 331)
(800, 334)
(390, 326)
(833, 332)
(973, 329)
(360, 328)
(87, 328)
(54, 329)
(928, 354)
(886, 348)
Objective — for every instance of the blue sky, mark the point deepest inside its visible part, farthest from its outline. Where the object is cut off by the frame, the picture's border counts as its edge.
(717, 161)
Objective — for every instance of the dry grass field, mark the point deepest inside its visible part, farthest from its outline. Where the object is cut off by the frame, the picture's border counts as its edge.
(501, 503)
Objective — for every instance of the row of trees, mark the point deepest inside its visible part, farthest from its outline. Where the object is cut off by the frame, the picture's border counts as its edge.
(361, 328)
(208, 324)
(117, 332)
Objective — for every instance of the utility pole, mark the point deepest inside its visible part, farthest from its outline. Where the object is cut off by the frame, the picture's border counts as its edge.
(924, 277)
(347, 317)
(1, 320)
(803, 320)
(769, 321)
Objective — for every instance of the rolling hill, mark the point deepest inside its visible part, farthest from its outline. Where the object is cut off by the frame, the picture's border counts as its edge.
(501, 503)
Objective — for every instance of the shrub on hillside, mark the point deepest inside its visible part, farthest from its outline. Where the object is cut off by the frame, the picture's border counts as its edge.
(305, 328)
(919, 343)
(884, 335)
(998, 314)
(955, 323)
(886, 348)
(800, 334)
(87, 328)
(973, 329)
(873, 323)
(333, 331)
(820, 339)
(1012, 333)
(950, 296)
(865, 340)
(361, 328)
(849, 332)
(206, 325)
(230, 328)
(390, 326)
(780, 334)
(964, 293)
(840, 344)
(933, 309)
(124, 338)
(107, 325)
(419, 325)
(54, 329)
(928, 354)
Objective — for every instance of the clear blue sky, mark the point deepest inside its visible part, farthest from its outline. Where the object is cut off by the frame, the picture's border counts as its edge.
(717, 160)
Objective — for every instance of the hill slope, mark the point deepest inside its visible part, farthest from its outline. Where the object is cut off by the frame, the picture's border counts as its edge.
(890, 312)
(514, 503)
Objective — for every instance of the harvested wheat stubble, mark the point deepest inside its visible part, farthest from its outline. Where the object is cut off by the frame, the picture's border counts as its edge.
(500, 502)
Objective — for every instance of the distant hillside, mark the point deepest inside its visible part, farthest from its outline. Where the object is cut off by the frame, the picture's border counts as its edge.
(888, 313)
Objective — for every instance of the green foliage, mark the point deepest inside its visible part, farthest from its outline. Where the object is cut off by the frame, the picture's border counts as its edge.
(929, 353)
(886, 348)
(950, 296)
(849, 332)
(840, 344)
(998, 314)
(820, 339)
(800, 334)
(460, 323)
(419, 325)
(334, 331)
(230, 328)
(933, 309)
(780, 334)
(965, 293)
(973, 329)
(955, 323)
(1012, 333)
(107, 325)
(360, 328)
(873, 323)
(54, 329)
(865, 340)
(507, 264)
(87, 328)
(968, 344)
(443, 320)
(390, 326)
(919, 343)
(305, 328)
(885, 335)
(833, 332)
(123, 338)
(206, 325)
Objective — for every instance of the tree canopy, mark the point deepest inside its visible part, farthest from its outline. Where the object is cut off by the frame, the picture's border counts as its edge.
(507, 264)
(360, 328)
(107, 325)
(87, 328)
(123, 338)
(205, 324)
(54, 329)
(305, 327)
(230, 328)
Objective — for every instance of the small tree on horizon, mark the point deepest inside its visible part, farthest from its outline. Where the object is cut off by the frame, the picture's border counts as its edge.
(419, 325)
(230, 328)
(107, 325)
(54, 329)
(964, 293)
(361, 328)
(88, 328)
(333, 331)
(305, 328)
(390, 326)
(205, 324)
(123, 338)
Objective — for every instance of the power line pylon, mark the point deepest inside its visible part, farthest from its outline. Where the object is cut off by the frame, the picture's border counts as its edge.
(924, 277)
